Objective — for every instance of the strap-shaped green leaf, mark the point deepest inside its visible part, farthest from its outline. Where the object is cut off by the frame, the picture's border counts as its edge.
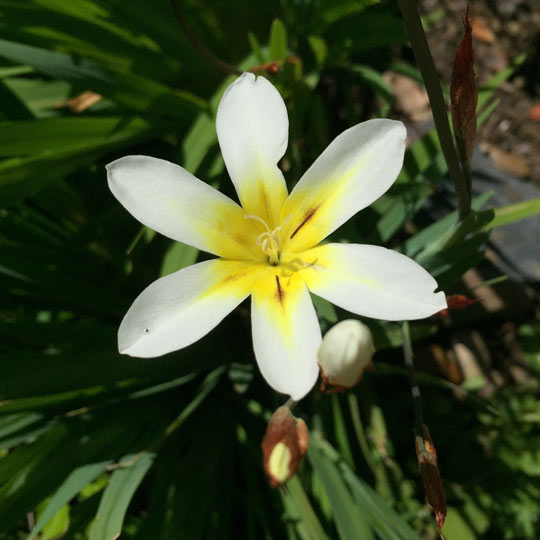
(73, 484)
(117, 496)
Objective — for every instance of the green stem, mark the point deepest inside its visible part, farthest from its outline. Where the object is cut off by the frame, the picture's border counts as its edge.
(291, 404)
(135, 240)
(360, 434)
(198, 45)
(415, 388)
(421, 51)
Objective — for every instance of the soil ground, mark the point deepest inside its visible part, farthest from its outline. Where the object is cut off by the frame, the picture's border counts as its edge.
(483, 339)
(502, 29)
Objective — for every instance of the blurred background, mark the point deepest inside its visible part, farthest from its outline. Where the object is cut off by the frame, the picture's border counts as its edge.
(93, 444)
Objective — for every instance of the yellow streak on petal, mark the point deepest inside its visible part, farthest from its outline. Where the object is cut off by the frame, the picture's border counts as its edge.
(264, 195)
(227, 232)
(323, 264)
(232, 278)
(313, 209)
(278, 291)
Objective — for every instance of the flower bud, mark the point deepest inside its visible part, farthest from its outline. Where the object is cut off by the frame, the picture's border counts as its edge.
(429, 470)
(346, 352)
(284, 445)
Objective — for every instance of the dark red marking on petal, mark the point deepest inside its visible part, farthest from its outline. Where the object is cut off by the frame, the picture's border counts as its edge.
(280, 292)
(309, 215)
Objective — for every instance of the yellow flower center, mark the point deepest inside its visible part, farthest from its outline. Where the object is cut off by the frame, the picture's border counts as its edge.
(269, 241)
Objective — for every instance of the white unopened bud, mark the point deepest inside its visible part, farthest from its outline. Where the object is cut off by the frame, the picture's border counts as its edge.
(345, 353)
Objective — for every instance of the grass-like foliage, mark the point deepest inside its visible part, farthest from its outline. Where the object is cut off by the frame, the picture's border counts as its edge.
(94, 444)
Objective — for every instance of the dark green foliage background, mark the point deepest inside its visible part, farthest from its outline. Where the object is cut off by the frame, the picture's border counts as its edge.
(93, 443)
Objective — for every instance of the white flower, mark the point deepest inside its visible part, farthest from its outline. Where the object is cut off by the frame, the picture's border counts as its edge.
(268, 245)
(345, 353)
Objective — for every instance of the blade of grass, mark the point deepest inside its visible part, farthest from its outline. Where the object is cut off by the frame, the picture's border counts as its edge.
(114, 503)
(306, 521)
(350, 521)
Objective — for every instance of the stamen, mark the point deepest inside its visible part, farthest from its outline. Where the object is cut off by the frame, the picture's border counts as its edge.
(287, 218)
(269, 241)
(260, 237)
(257, 218)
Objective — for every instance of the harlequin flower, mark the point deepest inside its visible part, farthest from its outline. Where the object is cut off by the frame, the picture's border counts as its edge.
(269, 246)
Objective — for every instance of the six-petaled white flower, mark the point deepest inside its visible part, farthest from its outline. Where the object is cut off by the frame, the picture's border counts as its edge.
(268, 246)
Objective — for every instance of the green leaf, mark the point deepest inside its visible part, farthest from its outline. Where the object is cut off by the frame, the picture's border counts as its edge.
(12, 107)
(488, 89)
(301, 511)
(395, 207)
(58, 525)
(319, 49)
(199, 140)
(15, 71)
(340, 431)
(529, 340)
(178, 256)
(457, 528)
(325, 309)
(42, 97)
(105, 31)
(117, 496)
(431, 234)
(449, 265)
(377, 514)
(278, 41)
(73, 484)
(374, 80)
(332, 12)
(12, 423)
(192, 480)
(514, 212)
(486, 113)
(349, 520)
(24, 176)
(38, 470)
(59, 135)
(256, 47)
(21, 428)
(385, 521)
(131, 91)
(387, 335)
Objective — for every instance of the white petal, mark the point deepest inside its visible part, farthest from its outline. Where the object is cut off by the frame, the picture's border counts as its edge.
(356, 169)
(178, 309)
(253, 128)
(372, 281)
(286, 333)
(170, 200)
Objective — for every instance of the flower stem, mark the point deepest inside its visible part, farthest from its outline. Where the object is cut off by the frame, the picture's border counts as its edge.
(291, 404)
(415, 388)
(361, 434)
(420, 47)
(198, 45)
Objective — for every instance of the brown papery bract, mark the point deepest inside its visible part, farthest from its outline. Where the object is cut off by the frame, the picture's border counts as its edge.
(289, 437)
(429, 470)
(464, 95)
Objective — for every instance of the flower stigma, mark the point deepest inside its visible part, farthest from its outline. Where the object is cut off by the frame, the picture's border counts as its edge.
(269, 241)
